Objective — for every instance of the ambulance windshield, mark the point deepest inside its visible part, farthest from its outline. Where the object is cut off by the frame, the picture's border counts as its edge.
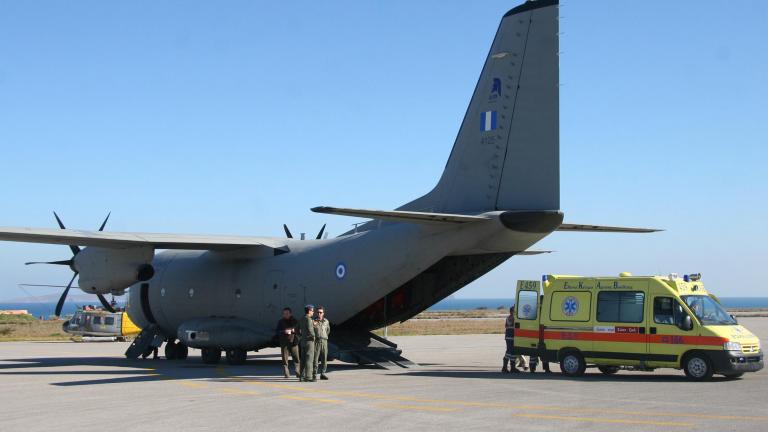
(708, 311)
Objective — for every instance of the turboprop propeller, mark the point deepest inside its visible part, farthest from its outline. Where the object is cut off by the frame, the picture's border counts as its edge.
(290, 236)
(71, 263)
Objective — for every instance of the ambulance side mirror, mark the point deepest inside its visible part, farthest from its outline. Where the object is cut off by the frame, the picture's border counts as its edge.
(734, 319)
(687, 323)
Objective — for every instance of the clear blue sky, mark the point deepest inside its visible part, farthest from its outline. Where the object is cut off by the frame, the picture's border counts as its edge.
(235, 117)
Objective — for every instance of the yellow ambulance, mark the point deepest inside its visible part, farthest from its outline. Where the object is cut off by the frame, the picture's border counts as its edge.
(632, 322)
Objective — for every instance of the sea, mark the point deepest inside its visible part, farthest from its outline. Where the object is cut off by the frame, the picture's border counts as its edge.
(45, 310)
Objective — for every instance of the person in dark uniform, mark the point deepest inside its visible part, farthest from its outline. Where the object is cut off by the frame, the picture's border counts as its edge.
(287, 327)
(509, 338)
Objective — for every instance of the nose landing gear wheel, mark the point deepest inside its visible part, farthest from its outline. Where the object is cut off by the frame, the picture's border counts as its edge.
(236, 356)
(211, 355)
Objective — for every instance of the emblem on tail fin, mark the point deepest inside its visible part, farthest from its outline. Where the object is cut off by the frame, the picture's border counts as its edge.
(495, 90)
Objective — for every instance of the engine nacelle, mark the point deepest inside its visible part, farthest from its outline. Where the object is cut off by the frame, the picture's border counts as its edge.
(105, 270)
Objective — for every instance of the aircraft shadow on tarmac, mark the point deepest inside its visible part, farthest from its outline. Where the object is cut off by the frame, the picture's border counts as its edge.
(261, 367)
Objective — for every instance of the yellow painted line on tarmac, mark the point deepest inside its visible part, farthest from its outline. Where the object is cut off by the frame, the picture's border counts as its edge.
(551, 408)
(638, 413)
(191, 384)
(605, 420)
(311, 399)
(236, 391)
(417, 407)
(502, 405)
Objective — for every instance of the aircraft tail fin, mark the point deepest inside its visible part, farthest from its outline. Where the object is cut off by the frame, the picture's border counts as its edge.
(506, 154)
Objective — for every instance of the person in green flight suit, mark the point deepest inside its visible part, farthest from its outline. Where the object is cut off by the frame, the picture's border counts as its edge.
(307, 331)
(323, 329)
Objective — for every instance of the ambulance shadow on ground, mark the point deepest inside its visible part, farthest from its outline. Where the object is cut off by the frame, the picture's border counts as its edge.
(557, 376)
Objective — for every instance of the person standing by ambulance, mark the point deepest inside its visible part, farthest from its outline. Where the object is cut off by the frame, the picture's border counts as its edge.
(509, 338)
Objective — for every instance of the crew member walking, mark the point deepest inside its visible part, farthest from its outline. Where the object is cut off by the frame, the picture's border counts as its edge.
(289, 342)
(323, 329)
(307, 331)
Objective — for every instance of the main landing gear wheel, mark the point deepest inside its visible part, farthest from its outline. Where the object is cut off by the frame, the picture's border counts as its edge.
(176, 351)
(573, 364)
(697, 367)
(608, 370)
(211, 355)
(236, 356)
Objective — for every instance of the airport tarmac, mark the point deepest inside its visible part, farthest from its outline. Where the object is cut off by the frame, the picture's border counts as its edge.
(458, 386)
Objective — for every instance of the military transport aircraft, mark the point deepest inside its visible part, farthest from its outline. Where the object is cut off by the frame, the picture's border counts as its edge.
(498, 195)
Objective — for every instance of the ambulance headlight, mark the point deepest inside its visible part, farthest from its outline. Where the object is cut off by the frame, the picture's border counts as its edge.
(732, 346)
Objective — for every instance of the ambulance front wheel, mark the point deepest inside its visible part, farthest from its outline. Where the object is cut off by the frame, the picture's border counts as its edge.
(697, 367)
(572, 364)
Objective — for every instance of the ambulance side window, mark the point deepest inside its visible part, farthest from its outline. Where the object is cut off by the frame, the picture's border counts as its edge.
(664, 310)
(97, 320)
(109, 320)
(527, 305)
(620, 306)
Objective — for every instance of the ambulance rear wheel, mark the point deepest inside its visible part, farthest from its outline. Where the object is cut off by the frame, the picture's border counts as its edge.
(572, 364)
(697, 367)
(608, 370)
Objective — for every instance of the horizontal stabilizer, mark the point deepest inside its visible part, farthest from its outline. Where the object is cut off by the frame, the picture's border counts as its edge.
(534, 252)
(402, 216)
(603, 228)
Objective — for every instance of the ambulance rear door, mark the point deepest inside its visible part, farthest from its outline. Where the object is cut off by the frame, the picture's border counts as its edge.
(527, 315)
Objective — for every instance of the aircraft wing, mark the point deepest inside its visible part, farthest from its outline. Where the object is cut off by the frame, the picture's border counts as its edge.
(403, 216)
(603, 228)
(119, 240)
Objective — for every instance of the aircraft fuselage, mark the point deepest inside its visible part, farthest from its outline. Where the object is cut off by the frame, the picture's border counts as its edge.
(345, 274)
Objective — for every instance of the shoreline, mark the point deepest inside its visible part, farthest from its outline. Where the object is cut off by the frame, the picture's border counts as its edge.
(19, 328)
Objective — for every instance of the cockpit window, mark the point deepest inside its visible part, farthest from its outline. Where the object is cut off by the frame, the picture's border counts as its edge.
(708, 311)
